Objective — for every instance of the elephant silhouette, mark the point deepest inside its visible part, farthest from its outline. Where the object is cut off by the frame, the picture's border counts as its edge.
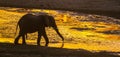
(30, 23)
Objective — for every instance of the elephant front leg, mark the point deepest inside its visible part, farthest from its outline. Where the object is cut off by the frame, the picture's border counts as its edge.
(46, 38)
(39, 38)
(42, 33)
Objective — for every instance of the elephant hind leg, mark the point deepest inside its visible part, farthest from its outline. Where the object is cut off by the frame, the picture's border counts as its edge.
(17, 39)
(46, 38)
(23, 39)
(39, 38)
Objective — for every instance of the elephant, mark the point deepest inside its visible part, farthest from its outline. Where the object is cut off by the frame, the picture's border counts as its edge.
(30, 23)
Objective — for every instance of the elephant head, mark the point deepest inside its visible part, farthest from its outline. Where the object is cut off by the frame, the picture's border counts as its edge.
(30, 23)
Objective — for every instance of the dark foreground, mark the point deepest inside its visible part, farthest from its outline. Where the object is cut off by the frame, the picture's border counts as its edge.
(11, 50)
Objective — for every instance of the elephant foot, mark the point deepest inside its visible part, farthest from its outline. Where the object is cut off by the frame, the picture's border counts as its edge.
(24, 44)
(38, 45)
(16, 43)
(46, 45)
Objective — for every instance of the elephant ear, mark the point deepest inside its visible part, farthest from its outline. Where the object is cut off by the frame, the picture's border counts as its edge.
(47, 21)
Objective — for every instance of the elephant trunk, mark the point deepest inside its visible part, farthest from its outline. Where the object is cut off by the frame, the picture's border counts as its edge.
(56, 29)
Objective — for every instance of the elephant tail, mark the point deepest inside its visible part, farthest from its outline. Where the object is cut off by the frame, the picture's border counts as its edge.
(16, 29)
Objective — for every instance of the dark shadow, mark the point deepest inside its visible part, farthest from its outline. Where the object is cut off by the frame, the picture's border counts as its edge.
(110, 32)
(93, 20)
(114, 14)
(11, 50)
(80, 29)
(116, 21)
